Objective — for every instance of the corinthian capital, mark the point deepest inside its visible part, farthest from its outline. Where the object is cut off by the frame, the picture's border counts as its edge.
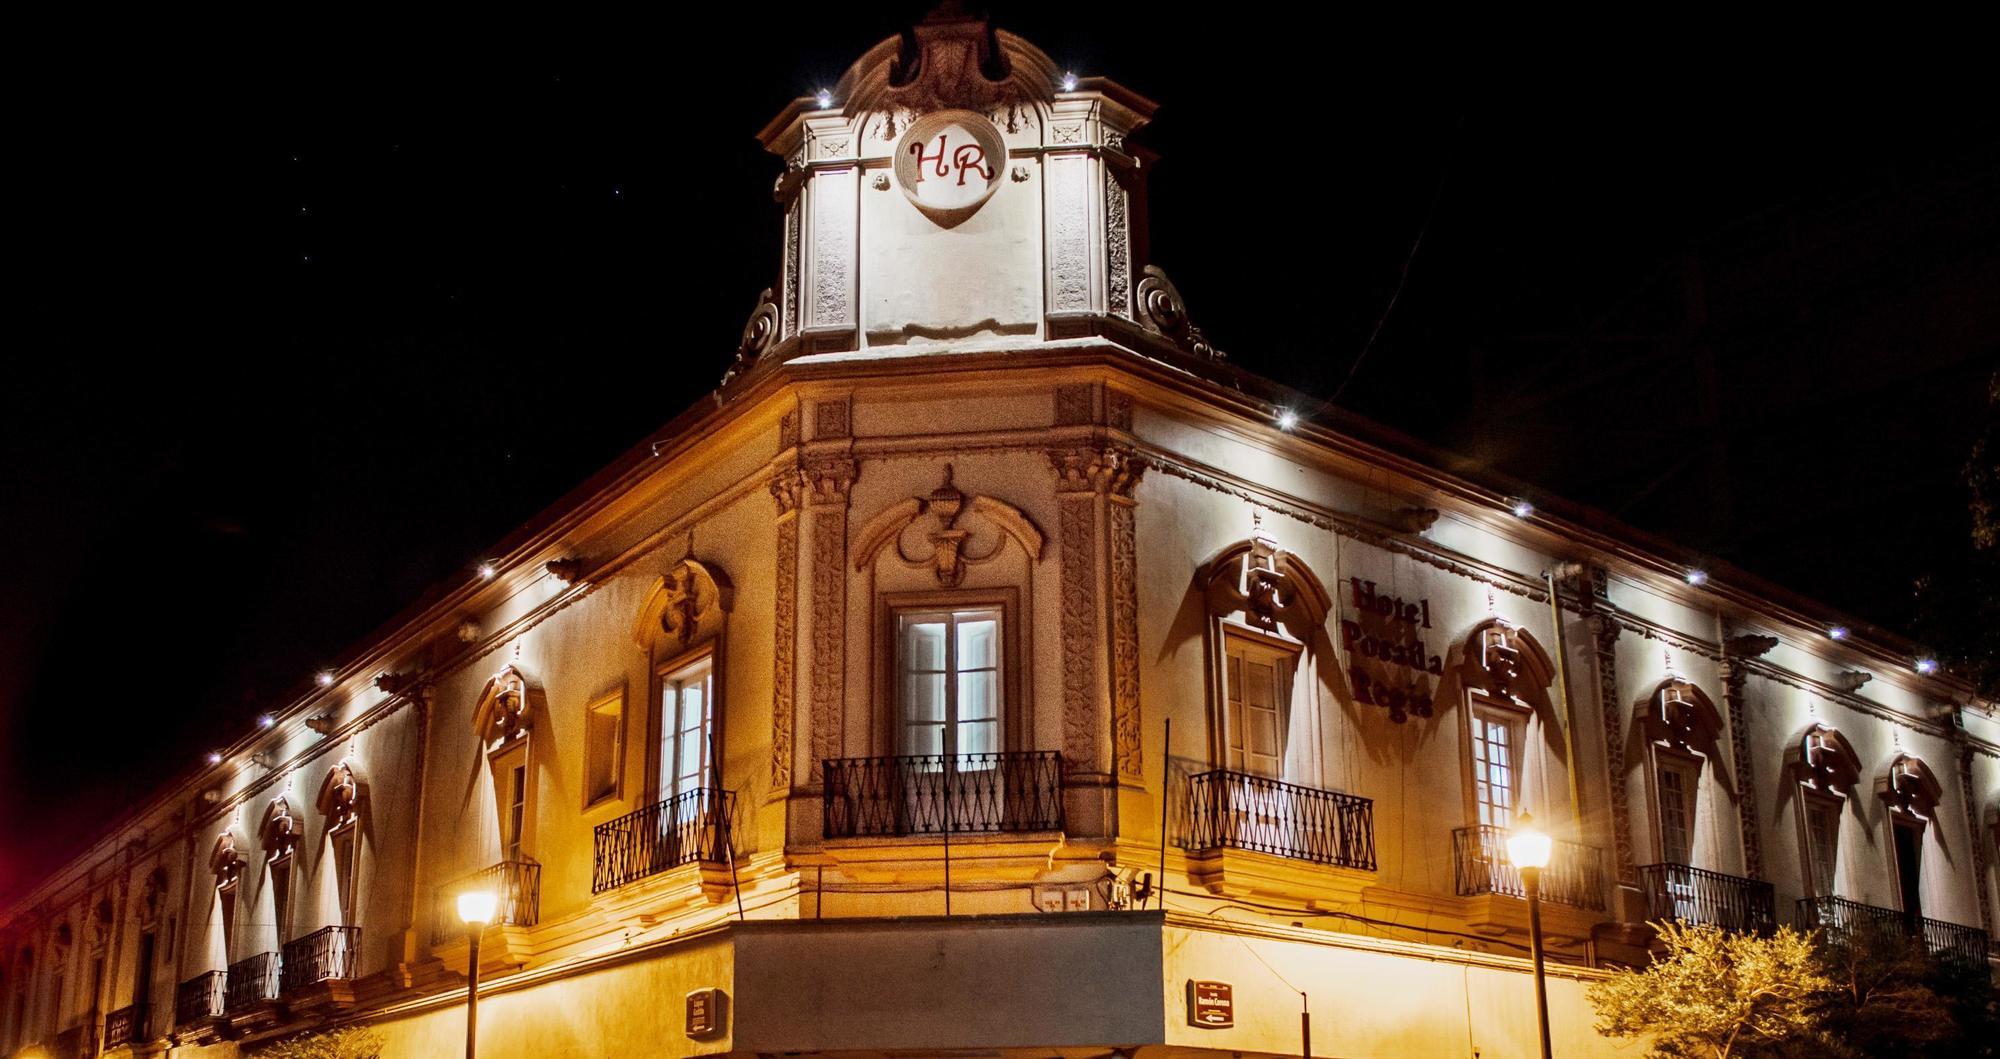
(830, 477)
(1110, 469)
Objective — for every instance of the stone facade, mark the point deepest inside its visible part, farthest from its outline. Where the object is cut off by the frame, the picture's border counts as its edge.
(973, 403)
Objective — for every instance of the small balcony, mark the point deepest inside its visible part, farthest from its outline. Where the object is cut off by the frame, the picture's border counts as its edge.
(933, 794)
(516, 886)
(200, 999)
(1236, 810)
(1696, 895)
(125, 1026)
(252, 982)
(327, 955)
(1840, 918)
(1574, 877)
(689, 828)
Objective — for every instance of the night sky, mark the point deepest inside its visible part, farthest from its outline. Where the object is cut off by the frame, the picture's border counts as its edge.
(317, 314)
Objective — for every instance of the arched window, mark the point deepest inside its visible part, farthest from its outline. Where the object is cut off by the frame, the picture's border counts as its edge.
(504, 718)
(1513, 732)
(1910, 793)
(279, 836)
(1682, 728)
(1266, 636)
(680, 627)
(1825, 768)
(341, 795)
(226, 864)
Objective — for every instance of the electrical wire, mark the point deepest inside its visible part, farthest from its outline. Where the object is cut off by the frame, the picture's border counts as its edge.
(1254, 907)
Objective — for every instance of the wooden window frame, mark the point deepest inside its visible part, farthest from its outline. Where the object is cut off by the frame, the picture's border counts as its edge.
(1016, 727)
(1811, 799)
(1662, 758)
(710, 651)
(1523, 718)
(499, 761)
(1293, 652)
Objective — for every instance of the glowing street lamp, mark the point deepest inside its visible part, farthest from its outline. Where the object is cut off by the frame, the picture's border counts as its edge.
(476, 908)
(1529, 847)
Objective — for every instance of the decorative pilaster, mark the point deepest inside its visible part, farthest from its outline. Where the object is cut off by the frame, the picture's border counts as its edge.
(1604, 630)
(787, 488)
(1965, 799)
(828, 474)
(1099, 608)
(1734, 650)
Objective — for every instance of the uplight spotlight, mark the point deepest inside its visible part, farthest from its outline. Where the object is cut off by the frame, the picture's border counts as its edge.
(824, 98)
(324, 678)
(487, 571)
(1287, 419)
(1069, 82)
(1522, 509)
(1927, 665)
(1838, 632)
(1697, 578)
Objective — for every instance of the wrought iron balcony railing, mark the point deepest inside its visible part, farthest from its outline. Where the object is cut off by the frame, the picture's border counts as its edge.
(1236, 810)
(1696, 895)
(1574, 877)
(328, 954)
(200, 998)
(251, 982)
(125, 1026)
(932, 794)
(690, 827)
(516, 886)
(1840, 918)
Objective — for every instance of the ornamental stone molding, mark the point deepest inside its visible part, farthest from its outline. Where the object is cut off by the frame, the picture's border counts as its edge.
(950, 543)
(1158, 307)
(340, 794)
(506, 707)
(687, 603)
(950, 60)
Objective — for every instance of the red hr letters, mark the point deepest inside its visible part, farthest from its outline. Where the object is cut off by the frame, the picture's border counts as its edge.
(966, 158)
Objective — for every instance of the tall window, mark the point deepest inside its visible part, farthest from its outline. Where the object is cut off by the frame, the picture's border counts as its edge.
(687, 728)
(1257, 682)
(1498, 735)
(343, 842)
(1909, 838)
(1822, 827)
(1678, 790)
(949, 665)
(514, 810)
(225, 895)
(281, 894)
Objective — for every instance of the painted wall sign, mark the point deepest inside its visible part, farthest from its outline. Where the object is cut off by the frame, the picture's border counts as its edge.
(1388, 663)
(948, 164)
(707, 1013)
(1211, 1005)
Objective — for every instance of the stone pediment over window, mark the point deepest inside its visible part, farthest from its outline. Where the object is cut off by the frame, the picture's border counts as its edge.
(1505, 661)
(279, 834)
(224, 860)
(339, 800)
(685, 605)
(1909, 788)
(506, 707)
(1821, 758)
(1266, 588)
(1680, 716)
(935, 532)
(153, 897)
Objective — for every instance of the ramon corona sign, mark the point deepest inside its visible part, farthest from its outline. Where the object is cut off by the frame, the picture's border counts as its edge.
(1388, 663)
(1211, 1005)
(948, 164)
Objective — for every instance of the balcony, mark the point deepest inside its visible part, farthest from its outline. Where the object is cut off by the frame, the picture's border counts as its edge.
(200, 999)
(689, 828)
(252, 981)
(330, 954)
(517, 885)
(932, 794)
(1696, 895)
(1236, 810)
(1840, 918)
(1574, 877)
(125, 1026)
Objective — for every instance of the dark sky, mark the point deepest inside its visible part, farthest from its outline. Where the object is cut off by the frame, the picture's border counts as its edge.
(316, 313)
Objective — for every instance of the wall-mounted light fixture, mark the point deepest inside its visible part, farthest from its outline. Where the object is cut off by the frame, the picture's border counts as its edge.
(1522, 508)
(1838, 632)
(1696, 577)
(324, 678)
(1287, 419)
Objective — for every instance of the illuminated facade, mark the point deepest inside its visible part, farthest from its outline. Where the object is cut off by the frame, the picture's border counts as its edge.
(985, 671)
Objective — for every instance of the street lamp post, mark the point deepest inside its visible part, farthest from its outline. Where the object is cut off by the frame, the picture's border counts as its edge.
(476, 909)
(1529, 848)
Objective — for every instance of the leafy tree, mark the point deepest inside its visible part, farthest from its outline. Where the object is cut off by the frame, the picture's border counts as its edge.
(1717, 995)
(348, 1042)
(1892, 998)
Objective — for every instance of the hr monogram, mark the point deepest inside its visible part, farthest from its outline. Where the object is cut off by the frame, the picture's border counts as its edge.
(967, 157)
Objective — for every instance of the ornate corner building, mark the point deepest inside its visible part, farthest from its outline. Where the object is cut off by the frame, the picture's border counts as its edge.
(984, 671)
